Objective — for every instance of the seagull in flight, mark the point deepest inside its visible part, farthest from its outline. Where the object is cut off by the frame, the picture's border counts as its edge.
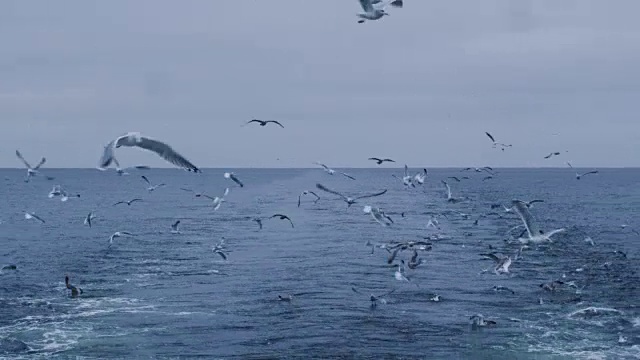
(217, 201)
(349, 200)
(450, 197)
(407, 180)
(219, 249)
(496, 144)
(375, 298)
(135, 139)
(232, 176)
(380, 161)
(29, 216)
(502, 263)
(555, 153)
(487, 169)
(174, 227)
(264, 122)
(258, 221)
(534, 233)
(529, 204)
(578, 175)
(282, 217)
(457, 179)
(331, 171)
(31, 171)
(420, 177)
(58, 191)
(75, 291)
(127, 202)
(307, 192)
(89, 218)
(151, 187)
(378, 215)
(118, 234)
(372, 12)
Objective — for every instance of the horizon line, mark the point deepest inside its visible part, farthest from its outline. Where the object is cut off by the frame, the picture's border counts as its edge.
(337, 167)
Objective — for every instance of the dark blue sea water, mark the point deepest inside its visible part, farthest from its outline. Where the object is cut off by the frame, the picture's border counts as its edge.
(164, 295)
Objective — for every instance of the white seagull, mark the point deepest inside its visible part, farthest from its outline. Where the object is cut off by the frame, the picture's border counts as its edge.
(330, 171)
(450, 198)
(217, 201)
(31, 171)
(29, 216)
(151, 187)
(578, 175)
(372, 12)
(378, 215)
(420, 177)
(90, 216)
(502, 263)
(135, 139)
(534, 233)
(232, 176)
(118, 234)
(496, 144)
(407, 180)
(58, 191)
(349, 200)
(174, 227)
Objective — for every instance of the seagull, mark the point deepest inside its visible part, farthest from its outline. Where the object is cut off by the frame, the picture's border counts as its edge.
(502, 263)
(282, 217)
(118, 234)
(258, 221)
(127, 202)
(307, 192)
(624, 226)
(375, 298)
(90, 216)
(414, 262)
(136, 139)
(380, 161)
(174, 227)
(378, 215)
(399, 274)
(479, 321)
(151, 187)
(219, 249)
(75, 291)
(578, 175)
(31, 171)
(496, 144)
(552, 286)
(497, 288)
(450, 198)
(349, 200)
(374, 13)
(555, 153)
(534, 233)
(331, 171)
(458, 179)
(233, 177)
(264, 122)
(28, 216)
(487, 169)
(421, 177)
(529, 204)
(407, 180)
(487, 178)
(433, 222)
(217, 201)
(58, 191)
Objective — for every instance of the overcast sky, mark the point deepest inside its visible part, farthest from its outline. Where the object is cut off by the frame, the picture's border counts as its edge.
(421, 85)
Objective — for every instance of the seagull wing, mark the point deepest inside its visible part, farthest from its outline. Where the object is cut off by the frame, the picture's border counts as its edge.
(166, 152)
(324, 188)
(494, 257)
(37, 218)
(371, 195)
(107, 156)
(590, 172)
(42, 161)
(146, 180)
(535, 201)
(366, 5)
(490, 137)
(299, 198)
(389, 160)
(275, 122)
(175, 224)
(347, 175)
(19, 155)
(525, 216)
(236, 180)
(548, 156)
(134, 200)
(448, 189)
(323, 165)
(120, 202)
(376, 159)
(568, 163)
(316, 195)
(126, 233)
(406, 170)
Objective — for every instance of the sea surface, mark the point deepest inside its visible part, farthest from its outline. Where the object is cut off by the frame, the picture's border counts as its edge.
(165, 295)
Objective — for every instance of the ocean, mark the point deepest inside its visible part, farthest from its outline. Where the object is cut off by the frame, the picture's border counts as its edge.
(164, 295)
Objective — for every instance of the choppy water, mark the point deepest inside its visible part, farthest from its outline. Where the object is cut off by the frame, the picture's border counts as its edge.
(168, 295)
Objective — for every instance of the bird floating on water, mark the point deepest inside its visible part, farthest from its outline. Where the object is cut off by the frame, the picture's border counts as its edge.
(75, 291)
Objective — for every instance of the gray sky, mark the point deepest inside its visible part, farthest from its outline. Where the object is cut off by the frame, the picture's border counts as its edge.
(420, 86)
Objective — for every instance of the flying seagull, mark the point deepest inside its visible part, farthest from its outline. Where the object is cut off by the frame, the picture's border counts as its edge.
(174, 227)
(349, 200)
(264, 122)
(555, 153)
(380, 161)
(372, 12)
(217, 201)
(58, 191)
(534, 233)
(457, 179)
(31, 171)
(375, 298)
(151, 187)
(450, 197)
(232, 176)
(282, 217)
(75, 291)
(135, 139)
(258, 221)
(420, 177)
(496, 144)
(127, 202)
(29, 216)
(578, 175)
(407, 180)
(118, 234)
(307, 192)
(378, 215)
(219, 249)
(90, 216)
(331, 171)
(502, 263)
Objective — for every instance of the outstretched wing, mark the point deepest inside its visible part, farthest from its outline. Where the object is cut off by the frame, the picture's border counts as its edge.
(493, 257)
(372, 195)
(324, 188)
(366, 5)
(448, 188)
(323, 165)
(525, 216)
(166, 152)
(42, 161)
(347, 175)
(275, 122)
(490, 137)
(19, 155)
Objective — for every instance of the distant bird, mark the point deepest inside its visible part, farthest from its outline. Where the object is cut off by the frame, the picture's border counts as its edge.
(458, 179)
(407, 180)
(503, 289)
(135, 139)
(29, 216)
(624, 226)
(307, 192)
(219, 249)
(285, 298)
(174, 227)
(89, 218)
(487, 178)
(502, 263)
(534, 233)
(217, 201)
(330, 171)
(552, 285)
(232, 176)
(258, 221)
(479, 321)
(151, 187)
(118, 234)
(378, 215)
(282, 217)
(380, 161)
(349, 200)
(496, 144)
(450, 197)
(127, 202)
(420, 177)
(374, 299)
(58, 191)
(578, 175)
(529, 204)
(414, 262)
(31, 171)
(433, 222)
(264, 122)
(555, 153)
(75, 291)
(372, 12)
(487, 169)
